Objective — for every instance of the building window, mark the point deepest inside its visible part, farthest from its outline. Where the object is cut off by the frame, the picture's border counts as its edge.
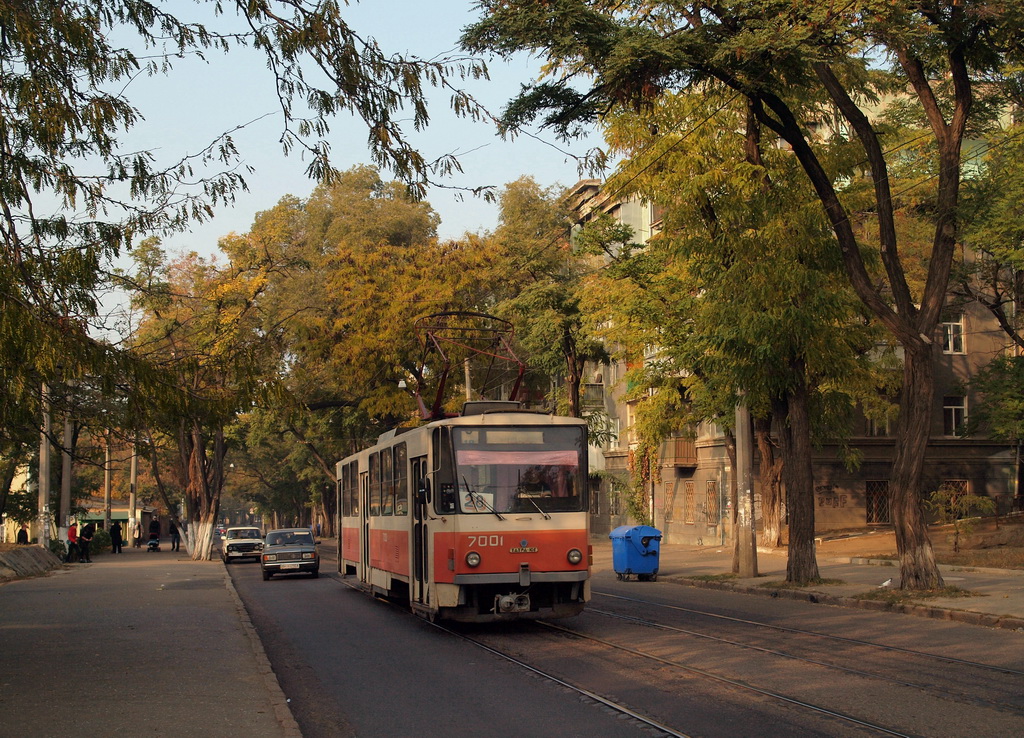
(876, 494)
(712, 508)
(879, 427)
(593, 395)
(954, 415)
(689, 493)
(953, 335)
(957, 487)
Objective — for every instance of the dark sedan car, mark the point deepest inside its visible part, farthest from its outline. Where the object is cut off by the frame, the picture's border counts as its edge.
(289, 550)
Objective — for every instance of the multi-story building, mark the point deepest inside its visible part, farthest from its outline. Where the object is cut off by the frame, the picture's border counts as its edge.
(691, 501)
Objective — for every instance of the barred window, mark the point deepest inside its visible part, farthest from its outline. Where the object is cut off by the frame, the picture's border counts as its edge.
(689, 512)
(958, 486)
(712, 510)
(876, 495)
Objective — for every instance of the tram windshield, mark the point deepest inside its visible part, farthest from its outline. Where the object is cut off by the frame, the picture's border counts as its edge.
(519, 470)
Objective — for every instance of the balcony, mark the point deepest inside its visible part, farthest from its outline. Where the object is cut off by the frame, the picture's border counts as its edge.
(679, 452)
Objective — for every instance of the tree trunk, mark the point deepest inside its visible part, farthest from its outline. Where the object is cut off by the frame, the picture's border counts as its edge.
(918, 569)
(770, 468)
(795, 444)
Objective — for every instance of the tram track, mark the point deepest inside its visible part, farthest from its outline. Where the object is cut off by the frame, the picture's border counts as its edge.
(870, 690)
(976, 683)
(594, 673)
(734, 683)
(818, 634)
(611, 704)
(939, 692)
(575, 688)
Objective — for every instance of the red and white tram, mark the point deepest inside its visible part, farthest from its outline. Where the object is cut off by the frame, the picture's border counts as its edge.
(479, 517)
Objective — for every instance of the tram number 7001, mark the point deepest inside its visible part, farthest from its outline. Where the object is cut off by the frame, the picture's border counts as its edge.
(485, 541)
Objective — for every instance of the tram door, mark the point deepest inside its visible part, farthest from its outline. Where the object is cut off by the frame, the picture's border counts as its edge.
(364, 548)
(419, 531)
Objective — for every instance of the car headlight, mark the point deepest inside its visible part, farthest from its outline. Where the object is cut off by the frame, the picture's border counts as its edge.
(575, 556)
(270, 557)
(473, 558)
(307, 555)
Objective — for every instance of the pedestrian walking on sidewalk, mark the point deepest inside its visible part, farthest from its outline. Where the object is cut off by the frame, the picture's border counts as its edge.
(175, 537)
(136, 533)
(116, 540)
(23, 535)
(84, 539)
(73, 553)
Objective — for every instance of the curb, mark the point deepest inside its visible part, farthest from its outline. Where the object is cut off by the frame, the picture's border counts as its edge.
(1004, 622)
(282, 711)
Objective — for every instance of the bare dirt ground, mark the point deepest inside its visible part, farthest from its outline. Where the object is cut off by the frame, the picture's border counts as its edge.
(994, 543)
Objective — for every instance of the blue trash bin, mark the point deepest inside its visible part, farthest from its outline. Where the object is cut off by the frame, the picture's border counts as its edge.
(635, 551)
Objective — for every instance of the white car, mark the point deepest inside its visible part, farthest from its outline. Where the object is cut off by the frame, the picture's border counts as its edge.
(242, 542)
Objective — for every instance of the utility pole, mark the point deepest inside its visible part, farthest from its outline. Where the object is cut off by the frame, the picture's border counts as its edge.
(106, 485)
(745, 504)
(44, 471)
(132, 485)
(65, 474)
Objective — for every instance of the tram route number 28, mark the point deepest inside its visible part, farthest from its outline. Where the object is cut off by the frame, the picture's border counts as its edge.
(485, 541)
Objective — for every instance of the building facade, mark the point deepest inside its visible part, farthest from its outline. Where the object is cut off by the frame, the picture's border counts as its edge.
(690, 500)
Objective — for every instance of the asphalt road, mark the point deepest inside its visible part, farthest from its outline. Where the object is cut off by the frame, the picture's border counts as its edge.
(703, 662)
(354, 666)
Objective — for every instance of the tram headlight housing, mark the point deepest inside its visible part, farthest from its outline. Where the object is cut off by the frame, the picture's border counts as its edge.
(473, 558)
(575, 556)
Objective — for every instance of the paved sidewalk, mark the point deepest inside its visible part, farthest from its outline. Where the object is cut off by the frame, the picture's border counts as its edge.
(137, 644)
(998, 600)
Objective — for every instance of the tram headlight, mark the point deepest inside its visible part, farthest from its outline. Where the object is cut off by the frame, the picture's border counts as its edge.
(575, 556)
(473, 558)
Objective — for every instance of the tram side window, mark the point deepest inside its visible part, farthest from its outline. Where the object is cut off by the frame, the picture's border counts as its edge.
(346, 510)
(387, 484)
(350, 481)
(401, 480)
(374, 484)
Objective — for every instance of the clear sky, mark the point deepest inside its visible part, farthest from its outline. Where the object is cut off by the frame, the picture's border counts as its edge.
(198, 101)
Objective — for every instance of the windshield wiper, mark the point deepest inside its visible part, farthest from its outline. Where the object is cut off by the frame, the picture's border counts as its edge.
(534, 503)
(478, 499)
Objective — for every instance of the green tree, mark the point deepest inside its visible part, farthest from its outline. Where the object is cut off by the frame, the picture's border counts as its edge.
(77, 193)
(738, 291)
(540, 280)
(201, 325)
(355, 265)
(798, 66)
(952, 506)
(994, 216)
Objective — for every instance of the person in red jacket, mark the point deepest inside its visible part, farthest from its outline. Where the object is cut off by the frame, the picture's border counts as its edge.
(72, 556)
